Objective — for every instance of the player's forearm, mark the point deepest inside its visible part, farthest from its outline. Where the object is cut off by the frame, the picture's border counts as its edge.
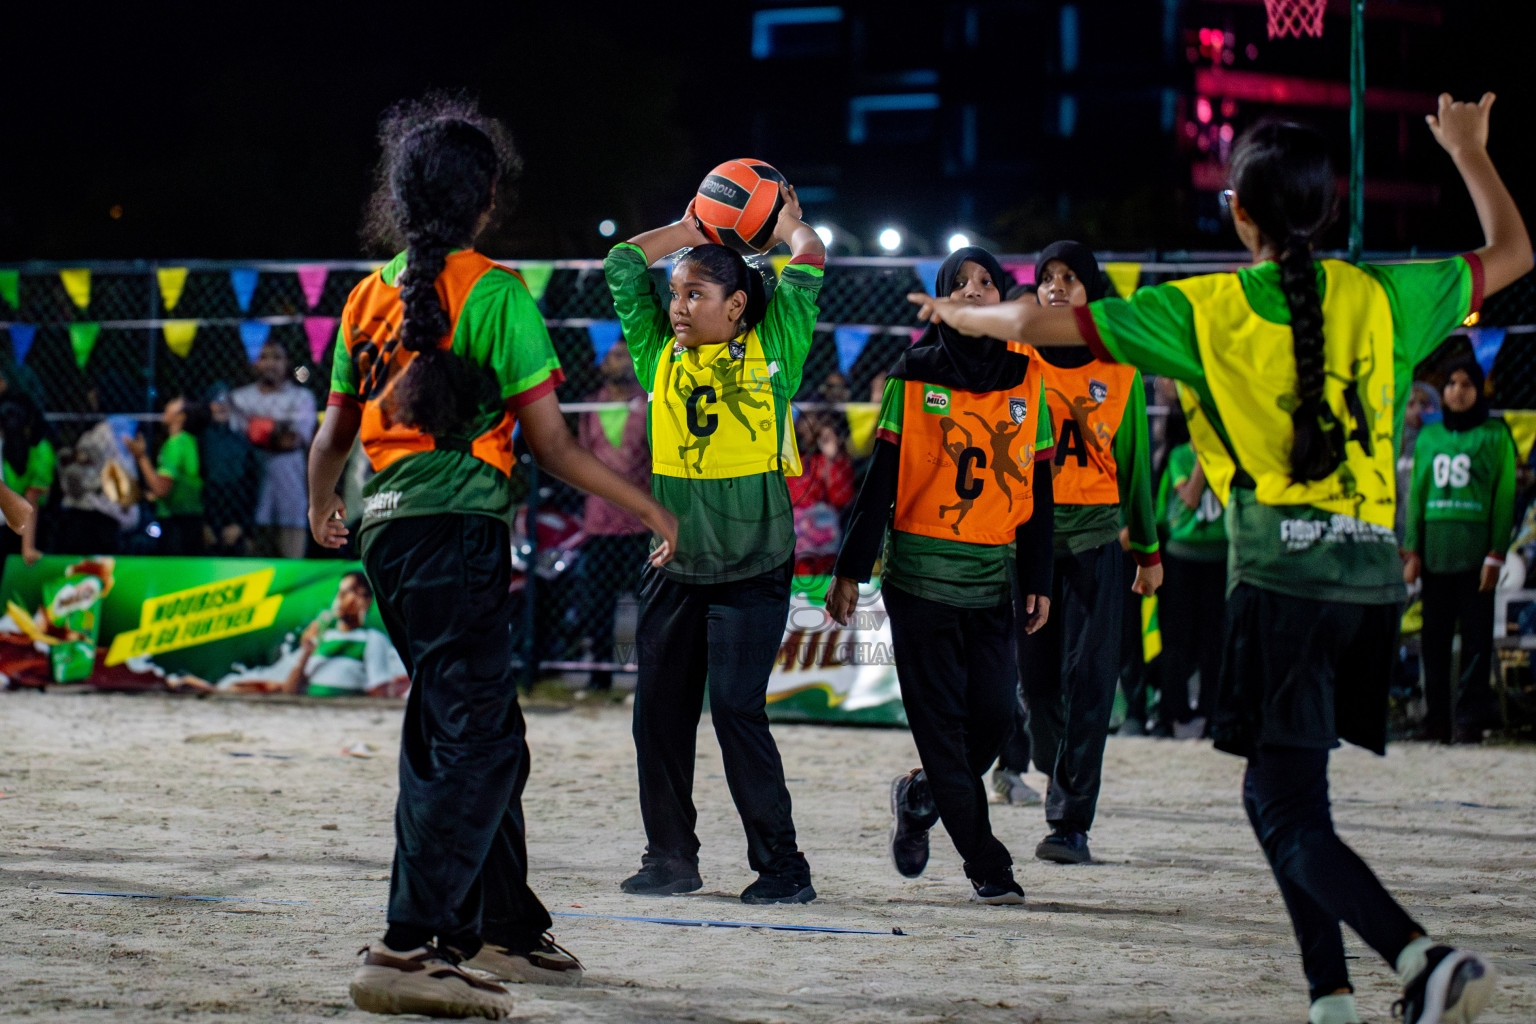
(1021, 320)
(1506, 254)
(804, 241)
(333, 445)
(18, 510)
(658, 242)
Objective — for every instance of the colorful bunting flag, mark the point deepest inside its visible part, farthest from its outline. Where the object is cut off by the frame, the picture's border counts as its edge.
(1486, 342)
(1023, 273)
(243, 280)
(172, 281)
(862, 417)
(10, 287)
(82, 338)
(604, 334)
(917, 332)
(850, 345)
(536, 274)
(1124, 276)
(253, 335)
(321, 331)
(21, 339)
(1521, 424)
(927, 272)
(77, 283)
(312, 280)
(779, 263)
(179, 335)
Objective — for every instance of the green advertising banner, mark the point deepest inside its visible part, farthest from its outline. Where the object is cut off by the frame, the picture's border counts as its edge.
(197, 616)
(832, 673)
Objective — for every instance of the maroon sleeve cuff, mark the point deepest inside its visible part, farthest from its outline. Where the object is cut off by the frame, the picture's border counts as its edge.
(810, 259)
(1496, 557)
(1147, 558)
(1475, 264)
(888, 435)
(337, 398)
(547, 386)
(1090, 332)
(1045, 454)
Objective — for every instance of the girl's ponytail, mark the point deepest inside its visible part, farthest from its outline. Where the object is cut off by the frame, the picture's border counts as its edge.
(1284, 180)
(424, 396)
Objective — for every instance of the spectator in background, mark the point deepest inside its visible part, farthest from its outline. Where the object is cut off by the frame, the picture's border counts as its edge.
(1460, 511)
(617, 542)
(231, 482)
(1423, 407)
(27, 459)
(175, 481)
(278, 416)
(98, 499)
(819, 494)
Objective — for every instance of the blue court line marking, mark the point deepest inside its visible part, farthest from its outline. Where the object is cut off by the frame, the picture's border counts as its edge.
(678, 921)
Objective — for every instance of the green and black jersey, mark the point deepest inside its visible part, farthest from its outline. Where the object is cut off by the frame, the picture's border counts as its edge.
(1461, 505)
(1196, 534)
(719, 420)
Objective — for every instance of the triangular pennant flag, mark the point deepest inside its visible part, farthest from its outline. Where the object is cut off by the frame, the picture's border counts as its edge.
(1521, 424)
(21, 339)
(536, 275)
(321, 331)
(850, 345)
(862, 417)
(779, 263)
(82, 338)
(917, 332)
(243, 280)
(253, 335)
(1023, 273)
(10, 288)
(605, 334)
(1486, 342)
(179, 335)
(1151, 630)
(927, 272)
(312, 280)
(77, 283)
(1124, 276)
(172, 281)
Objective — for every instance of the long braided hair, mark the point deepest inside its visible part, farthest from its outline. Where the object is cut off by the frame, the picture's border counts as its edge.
(446, 171)
(1284, 179)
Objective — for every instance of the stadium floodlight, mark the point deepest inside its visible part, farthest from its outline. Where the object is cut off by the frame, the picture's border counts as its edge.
(824, 232)
(958, 240)
(890, 240)
(607, 228)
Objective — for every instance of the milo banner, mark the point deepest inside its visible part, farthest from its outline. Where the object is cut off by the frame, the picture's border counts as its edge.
(832, 673)
(137, 622)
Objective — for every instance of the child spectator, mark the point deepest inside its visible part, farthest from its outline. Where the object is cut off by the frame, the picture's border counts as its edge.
(90, 519)
(175, 481)
(278, 416)
(819, 494)
(1460, 511)
(27, 460)
(232, 481)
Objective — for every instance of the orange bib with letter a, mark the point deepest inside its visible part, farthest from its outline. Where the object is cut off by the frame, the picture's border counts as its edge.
(967, 460)
(1087, 404)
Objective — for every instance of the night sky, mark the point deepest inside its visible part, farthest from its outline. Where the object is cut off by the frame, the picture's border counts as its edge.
(246, 130)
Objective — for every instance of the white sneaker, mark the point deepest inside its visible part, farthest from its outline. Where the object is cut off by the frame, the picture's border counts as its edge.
(1453, 988)
(1011, 788)
(548, 964)
(423, 981)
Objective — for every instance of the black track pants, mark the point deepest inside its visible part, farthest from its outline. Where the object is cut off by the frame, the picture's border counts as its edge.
(1452, 598)
(461, 863)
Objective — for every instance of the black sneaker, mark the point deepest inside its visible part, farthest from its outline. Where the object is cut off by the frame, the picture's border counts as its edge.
(1064, 846)
(1453, 988)
(661, 877)
(778, 889)
(914, 814)
(998, 892)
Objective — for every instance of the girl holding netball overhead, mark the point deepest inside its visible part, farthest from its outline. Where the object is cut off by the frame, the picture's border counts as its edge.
(960, 472)
(440, 353)
(1299, 364)
(720, 362)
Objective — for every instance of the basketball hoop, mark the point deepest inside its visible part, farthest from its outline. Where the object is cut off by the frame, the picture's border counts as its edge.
(1295, 18)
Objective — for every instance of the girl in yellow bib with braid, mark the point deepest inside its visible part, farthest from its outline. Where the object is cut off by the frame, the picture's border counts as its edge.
(1298, 363)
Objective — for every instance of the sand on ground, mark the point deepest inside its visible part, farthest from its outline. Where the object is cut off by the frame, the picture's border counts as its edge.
(1178, 920)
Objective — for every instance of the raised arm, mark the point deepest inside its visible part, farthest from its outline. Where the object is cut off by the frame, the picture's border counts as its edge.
(1023, 319)
(794, 232)
(1462, 129)
(680, 234)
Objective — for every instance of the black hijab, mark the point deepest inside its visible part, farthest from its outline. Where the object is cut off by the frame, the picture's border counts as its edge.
(1082, 262)
(1478, 414)
(945, 357)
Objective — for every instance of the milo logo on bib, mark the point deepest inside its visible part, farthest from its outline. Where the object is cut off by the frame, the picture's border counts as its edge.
(935, 399)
